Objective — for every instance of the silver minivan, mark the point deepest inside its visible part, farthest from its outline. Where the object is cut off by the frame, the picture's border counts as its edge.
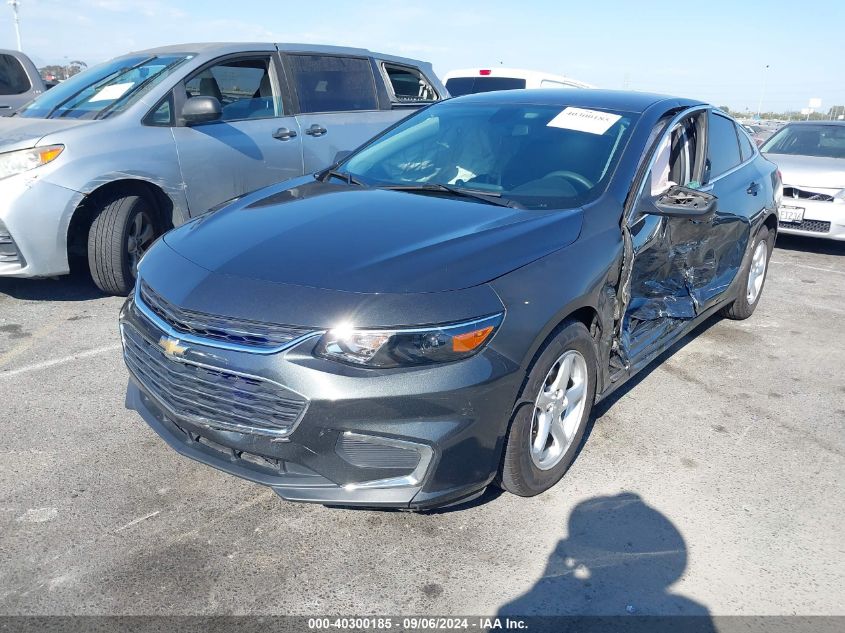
(102, 164)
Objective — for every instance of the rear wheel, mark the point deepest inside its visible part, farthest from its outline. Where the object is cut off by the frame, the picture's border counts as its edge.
(545, 435)
(754, 277)
(124, 227)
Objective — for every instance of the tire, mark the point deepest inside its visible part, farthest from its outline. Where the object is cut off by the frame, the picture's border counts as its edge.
(524, 471)
(124, 227)
(744, 305)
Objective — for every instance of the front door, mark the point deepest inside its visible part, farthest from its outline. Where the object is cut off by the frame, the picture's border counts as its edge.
(338, 105)
(671, 256)
(254, 144)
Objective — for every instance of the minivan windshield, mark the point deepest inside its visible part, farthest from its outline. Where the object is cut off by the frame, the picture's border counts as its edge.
(537, 156)
(104, 89)
(807, 139)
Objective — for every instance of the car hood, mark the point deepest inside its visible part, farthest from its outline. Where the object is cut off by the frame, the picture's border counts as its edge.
(814, 172)
(370, 240)
(22, 133)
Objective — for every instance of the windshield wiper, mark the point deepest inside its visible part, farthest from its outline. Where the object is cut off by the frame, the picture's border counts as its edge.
(491, 197)
(334, 173)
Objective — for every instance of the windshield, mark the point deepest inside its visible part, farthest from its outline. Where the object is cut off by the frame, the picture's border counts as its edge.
(103, 90)
(539, 156)
(827, 141)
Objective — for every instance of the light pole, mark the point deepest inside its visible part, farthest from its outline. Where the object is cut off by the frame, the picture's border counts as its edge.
(762, 92)
(15, 4)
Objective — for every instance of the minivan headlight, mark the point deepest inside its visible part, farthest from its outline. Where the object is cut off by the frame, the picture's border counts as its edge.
(22, 160)
(408, 346)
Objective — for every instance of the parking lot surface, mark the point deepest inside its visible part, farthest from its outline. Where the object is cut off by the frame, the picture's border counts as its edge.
(712, 484)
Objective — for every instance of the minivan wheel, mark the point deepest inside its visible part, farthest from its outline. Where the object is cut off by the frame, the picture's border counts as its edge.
(124, 227)
(753, 277)
(547, 429)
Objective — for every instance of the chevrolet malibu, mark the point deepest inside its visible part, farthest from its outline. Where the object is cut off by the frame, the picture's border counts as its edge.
(442, 309)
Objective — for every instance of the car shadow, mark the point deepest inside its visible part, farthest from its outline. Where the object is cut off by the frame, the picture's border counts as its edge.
(618, 560)
(78, 286)
(809, 245)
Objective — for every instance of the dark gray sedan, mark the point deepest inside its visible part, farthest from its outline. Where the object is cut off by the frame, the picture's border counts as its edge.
(442, 309)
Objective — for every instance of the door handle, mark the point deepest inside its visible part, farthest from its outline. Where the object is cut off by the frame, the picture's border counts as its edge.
(284, 134)
(316, 130)
(753, 188)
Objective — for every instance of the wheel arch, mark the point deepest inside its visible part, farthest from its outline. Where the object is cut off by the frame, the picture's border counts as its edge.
(771, 223)
(586, 314)
(168, 211)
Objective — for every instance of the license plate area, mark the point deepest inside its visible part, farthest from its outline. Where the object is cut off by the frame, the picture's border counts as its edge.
(792, 215)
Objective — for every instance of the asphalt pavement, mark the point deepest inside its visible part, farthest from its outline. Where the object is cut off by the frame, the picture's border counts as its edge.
(712, 484)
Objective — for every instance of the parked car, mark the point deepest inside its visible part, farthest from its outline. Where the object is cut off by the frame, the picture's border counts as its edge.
(20, 81)
(442, 309)
(473, 80)
(108, 160)
(811, 159)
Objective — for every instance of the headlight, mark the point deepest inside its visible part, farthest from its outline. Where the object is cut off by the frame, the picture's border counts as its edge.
(840, 197)
(22, 160)
(412, 346)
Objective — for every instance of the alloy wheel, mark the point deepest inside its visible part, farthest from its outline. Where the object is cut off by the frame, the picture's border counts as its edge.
(757, 272)
(558, 410)
(139, 238)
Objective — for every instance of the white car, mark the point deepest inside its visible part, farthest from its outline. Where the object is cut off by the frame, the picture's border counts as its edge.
(811, 159)
(471, 80)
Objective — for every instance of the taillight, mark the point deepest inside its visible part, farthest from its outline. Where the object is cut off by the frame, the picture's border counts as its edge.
(484, 72)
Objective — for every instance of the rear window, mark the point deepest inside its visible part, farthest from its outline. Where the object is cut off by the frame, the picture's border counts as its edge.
(327, 83)
(458, 86)
(745, 146)
(13, 79)
(723, 149)
(808, 140)
(408, 85)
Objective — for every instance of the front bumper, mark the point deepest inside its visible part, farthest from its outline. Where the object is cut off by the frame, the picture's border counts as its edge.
(821, 219)
(34, 220)
(414, 439)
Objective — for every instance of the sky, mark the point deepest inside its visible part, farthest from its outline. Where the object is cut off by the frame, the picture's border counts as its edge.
(714, 50)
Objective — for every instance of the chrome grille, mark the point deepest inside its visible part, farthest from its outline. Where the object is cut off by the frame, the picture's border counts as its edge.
(803, 194)
(210, 396)
(219, 328)
(812, 226)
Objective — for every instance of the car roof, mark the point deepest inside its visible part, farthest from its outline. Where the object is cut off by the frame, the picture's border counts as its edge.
(224, 48)
(627, 100)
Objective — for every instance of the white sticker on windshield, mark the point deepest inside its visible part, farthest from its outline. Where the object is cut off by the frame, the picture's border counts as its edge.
(583, 120)
(110, 93)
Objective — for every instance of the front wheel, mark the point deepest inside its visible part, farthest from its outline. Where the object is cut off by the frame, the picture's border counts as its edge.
(754, 277)
(546, 432)
(124, 227)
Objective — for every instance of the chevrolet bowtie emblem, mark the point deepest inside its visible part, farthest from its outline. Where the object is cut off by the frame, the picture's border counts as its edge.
(171, 346)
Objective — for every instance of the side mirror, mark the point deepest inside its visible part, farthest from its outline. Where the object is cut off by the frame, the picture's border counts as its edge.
(683, 202)
(201, 110)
